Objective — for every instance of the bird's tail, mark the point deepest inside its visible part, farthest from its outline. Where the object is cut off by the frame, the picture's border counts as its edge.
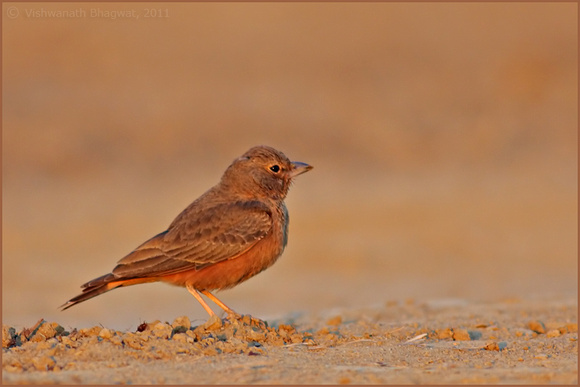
(102, 285)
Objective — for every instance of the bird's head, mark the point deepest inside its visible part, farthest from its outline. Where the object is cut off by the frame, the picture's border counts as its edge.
(263, 172)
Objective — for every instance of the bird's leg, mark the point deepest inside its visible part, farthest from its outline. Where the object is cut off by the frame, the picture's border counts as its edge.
(196, 294)
(227, 309)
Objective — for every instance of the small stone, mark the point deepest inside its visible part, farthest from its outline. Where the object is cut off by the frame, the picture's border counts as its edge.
(335, 321)
(273, 339)
(256, 322)
(182, 321)
(460, 335)
(256, 336)
(298, 338)
(88, 332)
(541, 356)
(445, 334)
(38, 338)
(8, 336)
(67, 341)
(133, 341)
(247, 319)
(179, 329)
(60, 331)
(287, 328)
(491, 346)
(160, 326)
(182, 338)
(537, 326)
(568, 328)
(46, 330)
(310, 342)
(284, 334)
(553, 333)
(213, 323)
(105, 333)
(474, 335)
(162, 330)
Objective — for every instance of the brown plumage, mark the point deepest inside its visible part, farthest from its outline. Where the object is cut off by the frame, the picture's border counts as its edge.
(232, 232)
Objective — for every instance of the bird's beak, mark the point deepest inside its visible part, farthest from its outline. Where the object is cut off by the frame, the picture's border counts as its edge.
(299, 168)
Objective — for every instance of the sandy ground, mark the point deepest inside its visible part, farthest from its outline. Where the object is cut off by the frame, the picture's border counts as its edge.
(449, 341)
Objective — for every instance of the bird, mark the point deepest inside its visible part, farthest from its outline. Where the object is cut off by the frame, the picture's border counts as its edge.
(233, 231)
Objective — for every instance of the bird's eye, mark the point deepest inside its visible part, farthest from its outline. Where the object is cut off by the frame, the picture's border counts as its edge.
(275, 168)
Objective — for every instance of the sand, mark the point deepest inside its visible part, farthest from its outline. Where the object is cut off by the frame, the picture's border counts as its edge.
(448, 341)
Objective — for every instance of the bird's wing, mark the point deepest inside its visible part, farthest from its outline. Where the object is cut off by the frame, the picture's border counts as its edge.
(198, 239)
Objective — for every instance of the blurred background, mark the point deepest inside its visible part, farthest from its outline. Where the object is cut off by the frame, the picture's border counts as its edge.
(443, 136)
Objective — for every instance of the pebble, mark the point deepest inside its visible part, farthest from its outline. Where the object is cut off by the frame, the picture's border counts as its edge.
(6, 336)
(255, 336)
(335, 321)
(94, 331)
(495, 346)
(491, 347)
(68, 341)
(162, 330)
(183, 338)
(38, 338)
(298, 338)
(537, 326)
(105, 333)
(461, 335)
(215, 323)
(445, 334)
(553, 333)
(182, 321)
(474, 335)
(47, 330)
(569, 328)
(133, 341)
